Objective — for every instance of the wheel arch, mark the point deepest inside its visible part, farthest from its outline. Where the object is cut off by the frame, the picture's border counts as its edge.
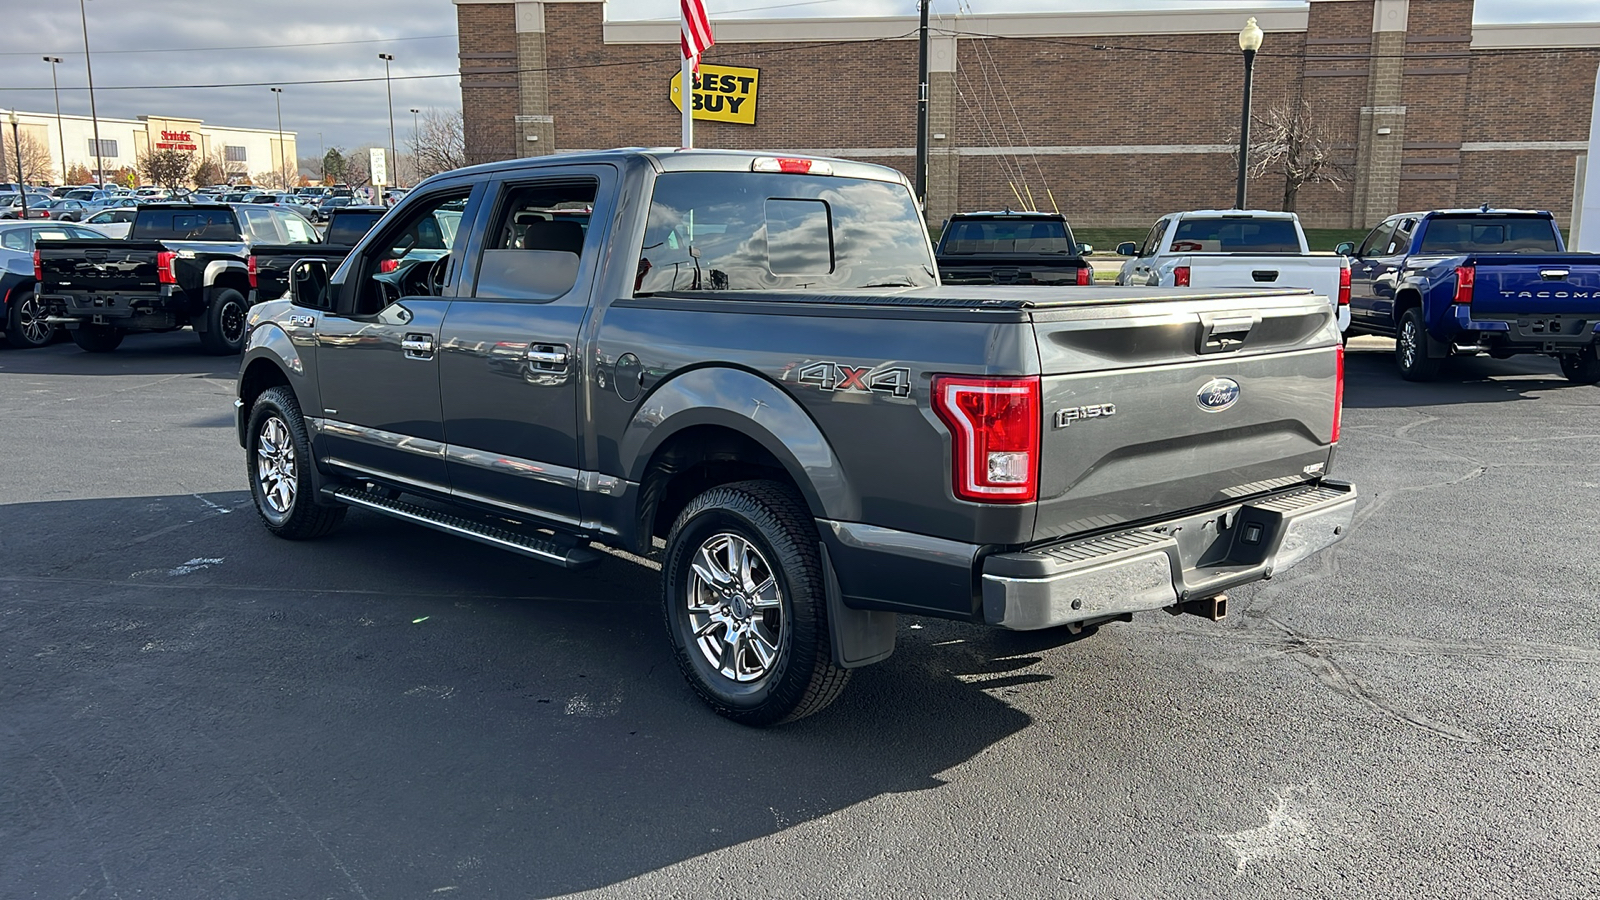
(715, 425)
(270, 360)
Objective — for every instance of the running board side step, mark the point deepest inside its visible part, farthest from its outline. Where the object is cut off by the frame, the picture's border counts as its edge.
(563, 552)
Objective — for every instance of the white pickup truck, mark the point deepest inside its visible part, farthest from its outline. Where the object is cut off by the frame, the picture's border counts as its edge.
(1217, 248)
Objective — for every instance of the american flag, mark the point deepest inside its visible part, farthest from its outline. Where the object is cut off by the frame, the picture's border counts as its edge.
(696, 32)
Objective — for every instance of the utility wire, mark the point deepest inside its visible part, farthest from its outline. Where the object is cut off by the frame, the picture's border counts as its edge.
(420, 37)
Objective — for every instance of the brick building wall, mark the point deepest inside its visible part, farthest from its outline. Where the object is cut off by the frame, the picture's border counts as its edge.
(1117, 118)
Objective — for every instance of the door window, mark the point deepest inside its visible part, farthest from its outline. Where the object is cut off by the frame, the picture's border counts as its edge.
(411, 258)
(16, 239)
(1378, 241)
(1401, 242)
(540, 232)
(258, 226)
(1152, 241)
(295, 228)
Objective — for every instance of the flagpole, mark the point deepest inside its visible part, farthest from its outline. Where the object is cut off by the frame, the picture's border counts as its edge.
(686, 76)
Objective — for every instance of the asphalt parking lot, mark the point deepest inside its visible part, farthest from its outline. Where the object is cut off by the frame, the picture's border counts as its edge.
(190, 708)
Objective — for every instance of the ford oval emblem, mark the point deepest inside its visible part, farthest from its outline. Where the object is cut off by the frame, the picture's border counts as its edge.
(1218, 394)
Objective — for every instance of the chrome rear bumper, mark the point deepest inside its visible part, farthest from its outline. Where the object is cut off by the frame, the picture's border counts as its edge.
(1161, 565)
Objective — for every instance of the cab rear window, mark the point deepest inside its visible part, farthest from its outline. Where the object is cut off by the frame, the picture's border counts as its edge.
(1489, 234)
(1235, 235)
(989, 237)
(757, 231)
(186, 225)
(347, 228)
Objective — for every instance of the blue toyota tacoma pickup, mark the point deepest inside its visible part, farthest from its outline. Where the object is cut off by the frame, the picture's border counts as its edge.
(1463, 282)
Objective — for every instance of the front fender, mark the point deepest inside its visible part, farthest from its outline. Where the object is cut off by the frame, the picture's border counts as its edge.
(747, 403)
(268, 346)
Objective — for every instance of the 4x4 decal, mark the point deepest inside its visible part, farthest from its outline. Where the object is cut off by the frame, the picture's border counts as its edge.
(832, 376)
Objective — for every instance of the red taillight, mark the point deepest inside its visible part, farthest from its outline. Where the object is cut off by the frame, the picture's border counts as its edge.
(1344, 284)
(1338, 393)
(790, 165)
(1465, 276)
(1085, 276)
(166, 267)
(250, 271)
(994, 429)
(388, 265)
(38, 267)
(1180, 276)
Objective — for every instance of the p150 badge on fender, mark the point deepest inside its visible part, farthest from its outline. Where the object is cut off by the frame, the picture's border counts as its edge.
(831, 376)
(1217, 394)
(1065, 417)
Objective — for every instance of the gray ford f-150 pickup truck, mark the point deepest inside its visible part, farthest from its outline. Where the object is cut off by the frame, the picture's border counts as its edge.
(749, 359)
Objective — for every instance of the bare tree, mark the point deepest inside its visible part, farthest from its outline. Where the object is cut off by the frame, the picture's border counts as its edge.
(356, 171)
(78, 173)
(1290, 140)
(285, 177)
(37, 166)
(168, 168)
(438, 145)
(211, 170)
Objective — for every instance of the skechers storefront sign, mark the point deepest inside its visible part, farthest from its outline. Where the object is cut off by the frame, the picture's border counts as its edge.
(721, 94)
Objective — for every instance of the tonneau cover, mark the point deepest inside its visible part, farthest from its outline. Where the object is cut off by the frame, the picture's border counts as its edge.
(986, 296)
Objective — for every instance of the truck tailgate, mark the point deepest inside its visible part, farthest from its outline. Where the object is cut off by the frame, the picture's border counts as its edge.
(1315, 273)
(1151, 409)
(1513, 284)
(99, 267)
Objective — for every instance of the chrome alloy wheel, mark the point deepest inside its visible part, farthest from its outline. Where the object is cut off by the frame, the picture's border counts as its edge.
(275, 467)
(1409, 343)
(735, 608)
(30, 319)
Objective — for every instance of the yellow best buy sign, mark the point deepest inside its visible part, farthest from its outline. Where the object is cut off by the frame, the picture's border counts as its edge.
(721, 94)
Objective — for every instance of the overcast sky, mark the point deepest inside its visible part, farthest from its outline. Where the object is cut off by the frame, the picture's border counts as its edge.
(173, 42)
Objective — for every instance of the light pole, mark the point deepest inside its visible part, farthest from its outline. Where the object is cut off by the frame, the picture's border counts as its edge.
(283, 161)
(416, 135)
(388, 87)
(1249, 42)
(60, 131)
(94, 117)
(922, 106)
(16, 142)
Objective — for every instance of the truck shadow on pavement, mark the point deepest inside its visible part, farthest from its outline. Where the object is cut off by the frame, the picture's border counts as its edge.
(173, 353)
(1373, 382)
(195, 708)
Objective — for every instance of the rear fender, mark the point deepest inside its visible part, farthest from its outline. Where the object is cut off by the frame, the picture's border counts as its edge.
(755, 407)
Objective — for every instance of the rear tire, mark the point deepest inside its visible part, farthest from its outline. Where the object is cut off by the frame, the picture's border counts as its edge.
(97, 338)
(278, 461)
(746, 606)
(1411, 348)
(227, 323)
(25, 325)
(1582, 367)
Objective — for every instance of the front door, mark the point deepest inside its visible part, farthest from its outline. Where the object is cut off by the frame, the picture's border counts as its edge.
(378, 353)
(510, 364)
(1365, 268)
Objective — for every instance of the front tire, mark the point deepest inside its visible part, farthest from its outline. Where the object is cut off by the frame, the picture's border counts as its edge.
(746, 605)
(25, 324)
(1582, 367)
(279, 463)
(1411, 348)
(97, 338)
(227, 323)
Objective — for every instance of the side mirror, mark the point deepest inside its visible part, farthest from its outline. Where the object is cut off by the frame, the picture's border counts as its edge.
(1345, 248)
(1086, 249)
(1127, 248)
(308, 284)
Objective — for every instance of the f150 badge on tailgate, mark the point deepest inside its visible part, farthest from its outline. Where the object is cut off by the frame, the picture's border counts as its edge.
(1065, 417)
(831, 376)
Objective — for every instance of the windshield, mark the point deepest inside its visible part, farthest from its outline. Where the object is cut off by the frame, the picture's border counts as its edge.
(1489, 234)
(989, 237)
(721, 231)
(1236, 235)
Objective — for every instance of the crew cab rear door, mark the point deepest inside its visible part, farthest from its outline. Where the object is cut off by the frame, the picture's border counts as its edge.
(509, 361)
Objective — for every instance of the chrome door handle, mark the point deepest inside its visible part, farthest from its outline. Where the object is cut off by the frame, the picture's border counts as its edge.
(547, 357)
(417, 346)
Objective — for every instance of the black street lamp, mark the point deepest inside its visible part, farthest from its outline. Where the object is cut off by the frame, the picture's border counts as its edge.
(388, 87)
(22, 187)
(416, 135)
(1249, 42)
(60, 131)
(283, 149)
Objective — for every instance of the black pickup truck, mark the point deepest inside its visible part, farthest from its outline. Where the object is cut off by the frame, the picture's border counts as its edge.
(750, 359)
(1011, 248)
(270, 263)
(181, 264)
